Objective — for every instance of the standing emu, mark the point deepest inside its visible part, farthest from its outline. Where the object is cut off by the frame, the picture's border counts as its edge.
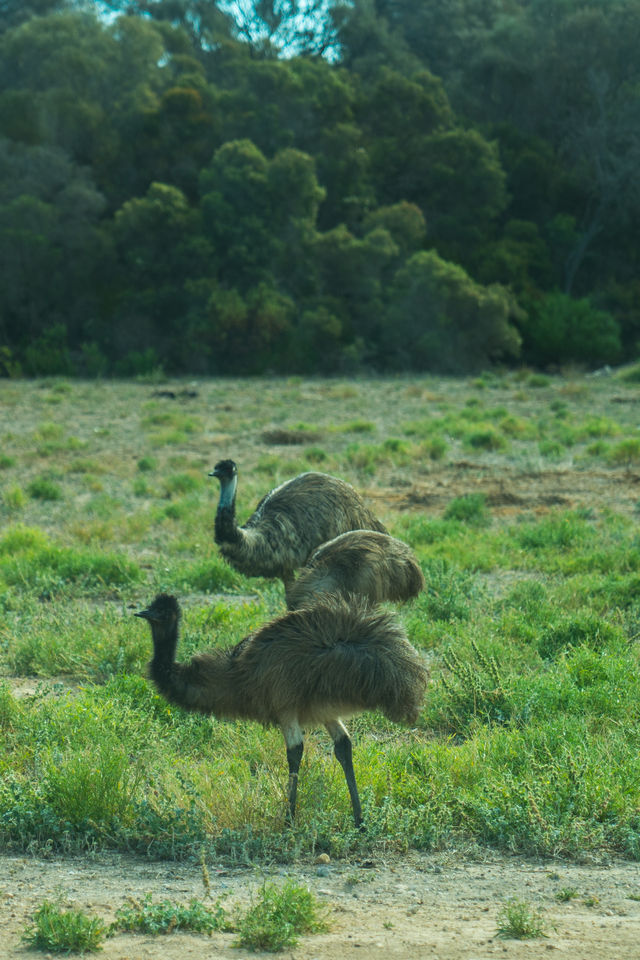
(363, 562)
(309, 667)
(288, 523)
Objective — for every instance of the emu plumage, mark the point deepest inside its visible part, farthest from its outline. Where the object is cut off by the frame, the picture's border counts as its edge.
(365, 563)
(309, 667)
(288, 523)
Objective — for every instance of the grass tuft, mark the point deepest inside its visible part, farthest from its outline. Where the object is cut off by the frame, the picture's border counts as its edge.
(145, 916)
(278, 917)
(518, 920)
(64, 931)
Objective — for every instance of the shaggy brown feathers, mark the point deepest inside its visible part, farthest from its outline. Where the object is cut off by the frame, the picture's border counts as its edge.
(366, 563)
(308, 667)
(288, 523)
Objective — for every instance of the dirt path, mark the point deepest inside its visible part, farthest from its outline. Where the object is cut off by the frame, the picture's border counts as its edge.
(406, 908)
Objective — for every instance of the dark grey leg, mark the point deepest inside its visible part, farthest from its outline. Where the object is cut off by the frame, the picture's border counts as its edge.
(294, 739)
(344, 754)
(294, 756)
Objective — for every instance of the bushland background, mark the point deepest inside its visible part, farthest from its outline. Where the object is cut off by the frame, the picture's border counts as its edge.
(317, 186)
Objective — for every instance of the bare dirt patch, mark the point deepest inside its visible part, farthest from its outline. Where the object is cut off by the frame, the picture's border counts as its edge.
(514, 489)
(417, 906)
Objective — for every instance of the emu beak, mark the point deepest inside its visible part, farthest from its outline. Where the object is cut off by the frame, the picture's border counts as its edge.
(214, 473)
(143, 613)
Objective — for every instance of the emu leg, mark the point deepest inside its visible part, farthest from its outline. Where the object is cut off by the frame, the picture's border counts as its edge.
(344, 754)
(295, 746)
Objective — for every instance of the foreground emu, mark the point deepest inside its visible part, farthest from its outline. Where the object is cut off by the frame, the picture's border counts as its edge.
(309, 667)
(288, 523)
(363, 562)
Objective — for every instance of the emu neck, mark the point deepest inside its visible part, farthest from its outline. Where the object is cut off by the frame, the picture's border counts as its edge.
(165, 641)
(226, 528)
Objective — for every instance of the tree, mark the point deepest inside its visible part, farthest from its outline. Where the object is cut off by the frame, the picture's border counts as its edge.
(439, 319)
(559, 329)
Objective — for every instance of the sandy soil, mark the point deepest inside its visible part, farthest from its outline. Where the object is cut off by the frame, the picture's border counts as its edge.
(441, 908)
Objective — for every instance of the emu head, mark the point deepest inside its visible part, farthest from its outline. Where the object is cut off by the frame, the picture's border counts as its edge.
(164, 609)
(224, 470)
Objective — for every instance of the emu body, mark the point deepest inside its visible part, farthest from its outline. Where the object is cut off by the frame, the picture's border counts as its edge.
(307, 668)
(288, 523)
(366, 563)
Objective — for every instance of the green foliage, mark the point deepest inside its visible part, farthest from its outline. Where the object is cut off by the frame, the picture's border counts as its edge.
(474, 690)
(470, 508)
(43, 488)
(275, 207)
(518, 920)
(560, 329)
(28, 558)
(55, 930)
(441, 319)
(584, 629)
(527, 741)
(164, 917)
(278, 917)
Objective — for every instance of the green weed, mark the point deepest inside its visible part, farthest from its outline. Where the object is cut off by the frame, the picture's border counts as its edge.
(13, 497)
(145, 916)
(43, 488)
(565, 894)
(487, 438)
(278, 917)
(55, 930)
(470, 508)
(518, 920)
(625, 453)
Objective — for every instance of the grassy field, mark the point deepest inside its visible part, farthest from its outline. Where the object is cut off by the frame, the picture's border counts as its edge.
(520, 495)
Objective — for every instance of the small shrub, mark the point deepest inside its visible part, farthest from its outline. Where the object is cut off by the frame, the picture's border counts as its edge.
(14, 497)
(565, 894)
(474, 690)
(581, 630)
(625, 453)
(278, 917)
(551, 449)
(471, 508)
(64, 931)
(6, 461)
(315, 455)
(538, 380)
(486, 439)
(206, 575)
(448, 592)
(358, 426)
(95, 784)
(555, 531)
(146, 464)
(181, 483)
(164, 917)
(43, 488)
(140, 487)
(519, 921)
(434, 448)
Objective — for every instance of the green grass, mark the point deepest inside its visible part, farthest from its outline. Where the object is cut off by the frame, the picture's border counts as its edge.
(518, 920)
(163, 917)
(530, 618)
(278, 917)
(55, 930)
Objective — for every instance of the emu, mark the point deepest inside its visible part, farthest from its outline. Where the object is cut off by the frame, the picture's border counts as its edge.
(362, 562)
(288, 523)
(309, 667)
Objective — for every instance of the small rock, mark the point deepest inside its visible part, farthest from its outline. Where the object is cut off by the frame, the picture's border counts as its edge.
(323, 871)
(323, 858)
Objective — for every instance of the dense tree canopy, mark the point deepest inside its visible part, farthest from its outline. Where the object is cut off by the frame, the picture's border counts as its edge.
(317, 185)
